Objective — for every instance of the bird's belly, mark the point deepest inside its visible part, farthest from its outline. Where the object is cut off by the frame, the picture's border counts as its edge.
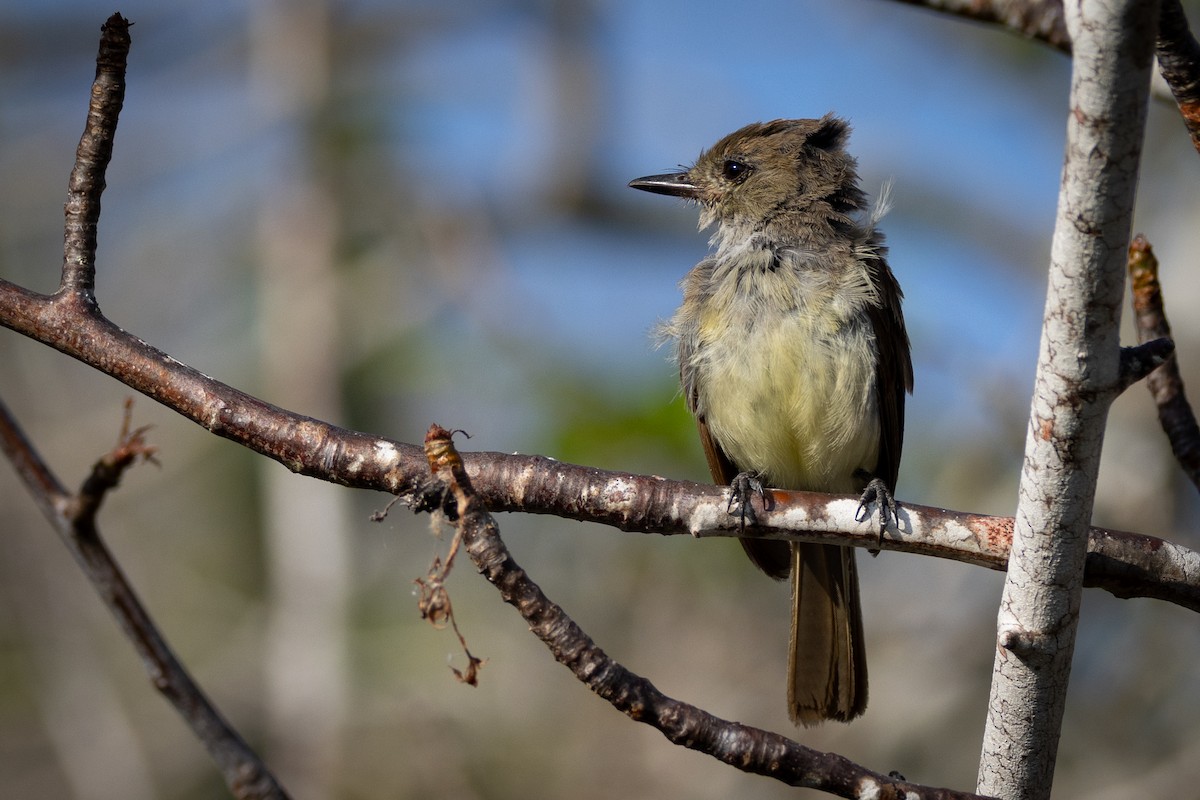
(793, 402)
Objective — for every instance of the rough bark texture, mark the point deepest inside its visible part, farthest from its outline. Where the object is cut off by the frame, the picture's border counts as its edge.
(1078, 376)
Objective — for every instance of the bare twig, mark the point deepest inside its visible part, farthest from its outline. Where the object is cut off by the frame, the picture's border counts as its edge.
(1125, 564)
(1179, 60)
(106, 473)
(91, 160)
(1165, 383)
(1033, 19)
(749, 749)
(1042, 20)
(1139, 361)
(73, 516)
(539, 485)
(433, 599)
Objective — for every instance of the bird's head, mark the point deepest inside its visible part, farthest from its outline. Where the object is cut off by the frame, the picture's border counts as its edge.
(770, 174)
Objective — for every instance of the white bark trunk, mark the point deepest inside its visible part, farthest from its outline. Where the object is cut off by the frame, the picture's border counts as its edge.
(1113, 42)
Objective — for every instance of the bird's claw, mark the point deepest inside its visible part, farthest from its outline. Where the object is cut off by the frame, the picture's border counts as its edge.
(877, 492)
(741, 490)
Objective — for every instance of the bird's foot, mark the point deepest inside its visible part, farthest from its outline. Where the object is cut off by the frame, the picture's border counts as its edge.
(742, 489)
(878, 493)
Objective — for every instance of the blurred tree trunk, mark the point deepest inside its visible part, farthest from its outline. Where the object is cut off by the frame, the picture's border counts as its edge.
(307, 544)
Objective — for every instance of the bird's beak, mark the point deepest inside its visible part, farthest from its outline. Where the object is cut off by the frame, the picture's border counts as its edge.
(676, 184)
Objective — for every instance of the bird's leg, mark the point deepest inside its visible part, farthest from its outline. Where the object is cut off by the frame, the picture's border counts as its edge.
(877, 492)
(741, 490)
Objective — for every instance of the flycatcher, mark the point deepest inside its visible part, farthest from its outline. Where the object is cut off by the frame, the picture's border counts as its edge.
(794, 359)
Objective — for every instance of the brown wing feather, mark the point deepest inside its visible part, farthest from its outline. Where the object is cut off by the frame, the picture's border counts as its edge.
(893, 373)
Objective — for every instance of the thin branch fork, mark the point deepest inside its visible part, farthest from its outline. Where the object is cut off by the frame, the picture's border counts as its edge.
(73, 516)
(747, 748)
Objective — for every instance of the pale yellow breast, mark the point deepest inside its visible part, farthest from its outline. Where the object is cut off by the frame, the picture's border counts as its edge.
(790, 394)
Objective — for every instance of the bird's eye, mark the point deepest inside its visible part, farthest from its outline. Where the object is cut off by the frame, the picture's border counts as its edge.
(735, 171)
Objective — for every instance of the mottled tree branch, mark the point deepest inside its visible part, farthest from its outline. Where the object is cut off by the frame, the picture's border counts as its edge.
(1034, 19)
(1165, 383)
(1179, 61)
(1127, 565)
(747, 748)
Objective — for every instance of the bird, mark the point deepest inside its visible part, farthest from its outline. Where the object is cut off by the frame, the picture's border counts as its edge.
(795, 361)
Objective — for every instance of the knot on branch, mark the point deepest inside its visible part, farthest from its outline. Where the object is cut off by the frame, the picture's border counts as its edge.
(1026, 644)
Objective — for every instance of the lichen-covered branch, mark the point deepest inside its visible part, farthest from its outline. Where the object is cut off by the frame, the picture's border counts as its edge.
(1131, 565)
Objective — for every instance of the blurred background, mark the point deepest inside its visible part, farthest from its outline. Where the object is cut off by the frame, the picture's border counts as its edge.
(392, 214)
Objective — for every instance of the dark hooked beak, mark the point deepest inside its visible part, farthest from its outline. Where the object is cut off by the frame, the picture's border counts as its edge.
(676, 184)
